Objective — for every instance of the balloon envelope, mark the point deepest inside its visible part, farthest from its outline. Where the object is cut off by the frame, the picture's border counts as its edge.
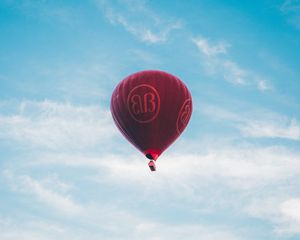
(151, 109)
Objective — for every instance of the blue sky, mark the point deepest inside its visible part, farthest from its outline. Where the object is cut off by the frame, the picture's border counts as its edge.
(67, 173)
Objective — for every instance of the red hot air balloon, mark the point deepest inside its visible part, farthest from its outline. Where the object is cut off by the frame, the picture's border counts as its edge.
(151, 109)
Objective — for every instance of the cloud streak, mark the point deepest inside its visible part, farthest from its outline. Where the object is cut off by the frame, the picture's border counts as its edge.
(56, 125)
(291, 9)
(139, 20)
(281, 210)
(259, 124)
(126, 227)
(209, 49)
(249, 173)
(48, 195)
(290, 214)
(282, 128)
(217, 63)
(249, 166)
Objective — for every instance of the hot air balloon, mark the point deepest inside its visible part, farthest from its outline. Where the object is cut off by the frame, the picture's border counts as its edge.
(151, 108)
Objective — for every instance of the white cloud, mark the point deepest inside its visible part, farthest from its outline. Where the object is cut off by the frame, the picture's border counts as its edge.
(193, 232)
(280, 127)
(138, 20)
(291, 209)
(56, 125)
(240, 168)
(97, 220)
(206, 182)
(233, 73)
(46, 191)
(281, 211)
(117, 226)
(290, 216)
(33, 228)
(217, 63)
(257, 124)
(210, 49)
(263, 85)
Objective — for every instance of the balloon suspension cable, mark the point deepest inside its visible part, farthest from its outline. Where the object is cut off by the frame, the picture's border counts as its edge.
(152, 166)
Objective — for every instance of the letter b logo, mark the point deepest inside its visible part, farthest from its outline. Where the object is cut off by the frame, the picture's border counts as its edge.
(143, 103)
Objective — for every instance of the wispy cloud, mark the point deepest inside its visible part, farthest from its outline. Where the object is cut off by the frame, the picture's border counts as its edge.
(56, 125)
(168, 231)
(221, 173)
(235, 166)
(280, 127)
(126, 227)
(209, 49)
(282, 211)
(217, 63)
(136, 18)
(249, 173)
(291, 8)
(290, 214)
(263, 85)
(257, 124)
(96, 219)
(47, 191)
(233, 73)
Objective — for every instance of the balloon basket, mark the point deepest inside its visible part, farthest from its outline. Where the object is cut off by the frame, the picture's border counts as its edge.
(152, 166)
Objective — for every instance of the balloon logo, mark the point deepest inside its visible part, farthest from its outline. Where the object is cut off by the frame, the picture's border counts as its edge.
(143, 103)
(184, 115)
(151, 109)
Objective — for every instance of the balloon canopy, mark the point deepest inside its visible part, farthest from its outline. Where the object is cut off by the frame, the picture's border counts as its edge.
(151, 109)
